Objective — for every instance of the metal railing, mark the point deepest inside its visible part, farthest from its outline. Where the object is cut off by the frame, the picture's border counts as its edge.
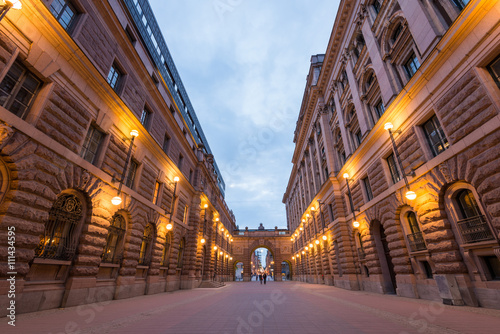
(475, 229)
(57, 249)
(416, 241)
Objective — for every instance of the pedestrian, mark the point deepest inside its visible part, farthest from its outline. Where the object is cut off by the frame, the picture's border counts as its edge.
(260, 278)
(265, 275)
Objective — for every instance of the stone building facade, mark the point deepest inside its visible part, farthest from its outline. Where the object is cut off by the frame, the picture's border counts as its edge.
(79, 80)
(394, 186)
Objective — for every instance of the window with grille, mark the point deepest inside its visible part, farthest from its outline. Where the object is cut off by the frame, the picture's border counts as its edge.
(18, 89)
(91, 144)
(114, 77)
(435, 136)
(64, 12)
(180, 255)
(60, 237)
(393, 168)
(146, 245)
(165, 259)
(114, 241)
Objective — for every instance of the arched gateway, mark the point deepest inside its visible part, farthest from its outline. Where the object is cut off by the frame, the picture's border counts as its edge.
(276, 241)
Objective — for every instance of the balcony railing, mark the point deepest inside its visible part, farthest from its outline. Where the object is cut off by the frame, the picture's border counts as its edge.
(475, 229)
(416, 241)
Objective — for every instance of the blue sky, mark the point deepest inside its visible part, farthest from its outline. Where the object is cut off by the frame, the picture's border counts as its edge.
(244, 65)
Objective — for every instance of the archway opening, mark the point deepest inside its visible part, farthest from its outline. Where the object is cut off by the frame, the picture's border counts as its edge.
(262, 263)
(286, 272)
(238, 271)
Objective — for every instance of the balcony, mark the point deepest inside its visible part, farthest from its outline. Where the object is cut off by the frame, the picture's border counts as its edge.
(416, 241)
(475, 229)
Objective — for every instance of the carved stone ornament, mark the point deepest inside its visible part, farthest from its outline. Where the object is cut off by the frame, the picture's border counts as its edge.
(85, 179)
(361, 15)
(6, 132)
(444, 169)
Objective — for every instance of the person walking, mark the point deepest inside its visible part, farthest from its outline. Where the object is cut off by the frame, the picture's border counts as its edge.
(265, 276)
(260, 278)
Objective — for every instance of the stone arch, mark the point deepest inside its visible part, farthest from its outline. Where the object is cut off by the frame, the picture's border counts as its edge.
(395, 19)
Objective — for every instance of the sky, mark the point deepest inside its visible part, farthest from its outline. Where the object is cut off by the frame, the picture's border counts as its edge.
(244, 65)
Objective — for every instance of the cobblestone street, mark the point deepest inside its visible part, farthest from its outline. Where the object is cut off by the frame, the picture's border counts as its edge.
(276, 307)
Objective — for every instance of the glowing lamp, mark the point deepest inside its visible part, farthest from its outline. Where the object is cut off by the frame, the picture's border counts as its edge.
(313, 208)
(304, 252)
(293, 257)
(411, 195)
(176, 179)
(231, 240)
(202, 240)
(134, 133)
(215, 247)
(205, 206)
(117, 200)
(291, 239)
(388, 126)
(345, 175)
(169, 226)
(310, 245)
(317, 242)
(220, 253)
(231, 258)
(324, 237)
(355, 224)
(307, 248)
(227, 256)
(16, 4)
(301, 228)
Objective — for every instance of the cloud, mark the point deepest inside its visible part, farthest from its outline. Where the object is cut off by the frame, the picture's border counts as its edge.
(244, 65)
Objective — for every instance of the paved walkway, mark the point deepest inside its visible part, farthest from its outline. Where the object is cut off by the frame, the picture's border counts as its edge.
(277, 307)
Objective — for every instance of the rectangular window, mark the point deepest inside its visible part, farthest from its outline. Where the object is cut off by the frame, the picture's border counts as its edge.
(185, 215)
(460, 3)
(114, 77)
(91, 144)
(130, 35)
(132, 169)
(435, 136)
(376, 6)
(379, 109)
(166, 143)
(330, 209)
(395, 175)
(145, 117)
(156, 192)
(368, 188)
(341, 157)
(427, 269)
(411, 65)
(18, 89)
(494, 69)
(64, 12)
(190, 176)
(358, 137)
(181, 160)
(493, 266)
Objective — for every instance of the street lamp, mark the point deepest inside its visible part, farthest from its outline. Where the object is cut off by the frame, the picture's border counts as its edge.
(411, 195)
(7, 5)
(117, 200)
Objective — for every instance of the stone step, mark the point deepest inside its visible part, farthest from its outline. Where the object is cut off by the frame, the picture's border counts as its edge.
(211, 284)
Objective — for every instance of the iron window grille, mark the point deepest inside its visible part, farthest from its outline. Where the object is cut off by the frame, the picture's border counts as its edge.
(435, 136)
(18, 89)
(494, 69)
(146, 245)
(165, 260)
(473, 227)
(59, 240)
(114, 240)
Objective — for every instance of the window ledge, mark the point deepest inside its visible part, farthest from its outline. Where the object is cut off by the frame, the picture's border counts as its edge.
(481, 244)
(142, 267)
(109, 265)
(39, 260)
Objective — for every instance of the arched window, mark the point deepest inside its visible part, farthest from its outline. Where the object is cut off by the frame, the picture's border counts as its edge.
(60, 237)
(180, 255)
(472, 224)
(114, 241)
(165, 258)
(146, 245)
(414, 236)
